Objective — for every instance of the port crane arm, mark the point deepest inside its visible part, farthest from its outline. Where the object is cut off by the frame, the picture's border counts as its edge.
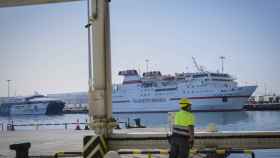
(196, 65)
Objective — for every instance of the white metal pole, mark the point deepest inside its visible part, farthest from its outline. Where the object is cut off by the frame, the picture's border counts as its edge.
(8, 81)
(100, 91)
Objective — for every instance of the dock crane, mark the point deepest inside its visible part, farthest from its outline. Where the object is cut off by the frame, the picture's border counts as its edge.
(198, 67)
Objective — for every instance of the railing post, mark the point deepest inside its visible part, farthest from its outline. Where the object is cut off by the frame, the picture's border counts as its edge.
(37, 126)
(13, 127)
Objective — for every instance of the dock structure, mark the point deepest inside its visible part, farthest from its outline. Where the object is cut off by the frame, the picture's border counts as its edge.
(49, 142)
(100, 102)
(157, 139)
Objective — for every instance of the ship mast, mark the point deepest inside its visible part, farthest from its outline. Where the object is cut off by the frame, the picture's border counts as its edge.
(222, 62)
(8, 81)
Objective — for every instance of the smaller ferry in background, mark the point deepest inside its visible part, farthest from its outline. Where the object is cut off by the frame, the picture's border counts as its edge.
(33, 105)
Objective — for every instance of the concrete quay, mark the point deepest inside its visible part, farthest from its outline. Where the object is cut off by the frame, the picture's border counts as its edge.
(48, 142)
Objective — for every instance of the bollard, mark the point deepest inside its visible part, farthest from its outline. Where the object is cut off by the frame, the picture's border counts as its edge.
(21, 149)
(10, 127)
(78, 125)
(118, 126)
(138, 123)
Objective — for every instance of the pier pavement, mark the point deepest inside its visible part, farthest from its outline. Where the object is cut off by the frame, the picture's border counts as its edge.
(49, 142)
(43, 142)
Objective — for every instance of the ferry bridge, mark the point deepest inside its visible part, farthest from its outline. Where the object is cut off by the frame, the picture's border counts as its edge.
(100, 102)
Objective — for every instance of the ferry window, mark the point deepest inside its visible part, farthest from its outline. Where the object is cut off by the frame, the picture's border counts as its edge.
(200, 75)
(225, 99)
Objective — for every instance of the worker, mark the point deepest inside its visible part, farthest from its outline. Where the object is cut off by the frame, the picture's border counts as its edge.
(182, 137)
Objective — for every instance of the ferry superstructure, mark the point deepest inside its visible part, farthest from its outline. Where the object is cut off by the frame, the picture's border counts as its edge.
(156, 92)
(33, 105)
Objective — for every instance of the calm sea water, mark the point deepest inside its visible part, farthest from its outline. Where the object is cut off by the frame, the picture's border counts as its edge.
(225, 121)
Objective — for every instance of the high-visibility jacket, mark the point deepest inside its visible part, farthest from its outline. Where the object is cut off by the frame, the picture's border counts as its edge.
(183, 119)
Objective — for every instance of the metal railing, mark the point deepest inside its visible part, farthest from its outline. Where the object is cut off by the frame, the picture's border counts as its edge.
(12, 127)
(2, 126)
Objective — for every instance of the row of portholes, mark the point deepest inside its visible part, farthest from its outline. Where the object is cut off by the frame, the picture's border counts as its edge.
(156, 94)
(201, 91)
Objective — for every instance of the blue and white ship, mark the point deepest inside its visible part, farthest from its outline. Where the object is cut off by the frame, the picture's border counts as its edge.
(33, 105)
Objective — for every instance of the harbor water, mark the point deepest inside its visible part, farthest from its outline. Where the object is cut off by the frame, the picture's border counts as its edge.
(224, 121)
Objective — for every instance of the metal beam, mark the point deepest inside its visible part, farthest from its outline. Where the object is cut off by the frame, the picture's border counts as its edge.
(13, 3)
(100, 84)
(240, 140)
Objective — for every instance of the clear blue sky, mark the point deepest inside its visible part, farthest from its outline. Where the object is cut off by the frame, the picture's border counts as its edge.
(44, 48)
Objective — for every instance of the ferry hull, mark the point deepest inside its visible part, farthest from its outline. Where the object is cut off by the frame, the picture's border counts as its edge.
(226, 101)
(213, 104)
(29, 109)
(42, 108)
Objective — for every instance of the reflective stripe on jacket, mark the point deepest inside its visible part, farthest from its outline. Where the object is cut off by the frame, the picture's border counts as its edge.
(181, 130)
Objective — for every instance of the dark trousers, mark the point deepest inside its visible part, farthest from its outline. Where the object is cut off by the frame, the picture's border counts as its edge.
(179, 147)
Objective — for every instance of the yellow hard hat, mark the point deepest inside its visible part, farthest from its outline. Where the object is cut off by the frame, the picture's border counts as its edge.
(184, 102)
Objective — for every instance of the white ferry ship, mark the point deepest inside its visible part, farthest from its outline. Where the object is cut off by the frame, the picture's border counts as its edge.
(33, 105)
(156, 92)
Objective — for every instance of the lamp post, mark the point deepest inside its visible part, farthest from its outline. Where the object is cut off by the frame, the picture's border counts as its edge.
(8, 81)
(222, 60)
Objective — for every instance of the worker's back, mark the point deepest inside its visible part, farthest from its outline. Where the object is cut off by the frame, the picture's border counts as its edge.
(184, 118)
